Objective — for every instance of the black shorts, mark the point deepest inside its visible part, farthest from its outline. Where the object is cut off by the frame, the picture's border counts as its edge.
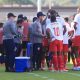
(1, 49)
(69, 43)
(24, 44)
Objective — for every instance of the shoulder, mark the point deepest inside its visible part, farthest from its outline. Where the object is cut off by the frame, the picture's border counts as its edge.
(48, 25)
(77, 16)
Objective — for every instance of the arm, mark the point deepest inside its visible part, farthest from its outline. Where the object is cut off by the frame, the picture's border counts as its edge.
(48, 33)
(64, 29)
(36, 31)
(75, 25)
(13, 28)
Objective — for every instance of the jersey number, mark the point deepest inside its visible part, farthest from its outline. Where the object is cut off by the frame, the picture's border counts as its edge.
(56, 31)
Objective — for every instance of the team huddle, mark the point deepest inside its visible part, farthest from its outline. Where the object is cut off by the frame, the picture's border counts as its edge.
(52, 37)
(60, 36)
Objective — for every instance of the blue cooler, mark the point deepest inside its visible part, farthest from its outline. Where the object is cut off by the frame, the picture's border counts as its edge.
(22, 64)
(29, 50)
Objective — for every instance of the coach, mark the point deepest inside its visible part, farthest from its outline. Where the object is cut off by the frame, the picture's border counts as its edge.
(37, 44)
(9, 30)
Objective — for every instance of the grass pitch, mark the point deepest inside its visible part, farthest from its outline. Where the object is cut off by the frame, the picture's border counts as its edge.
(40, 75)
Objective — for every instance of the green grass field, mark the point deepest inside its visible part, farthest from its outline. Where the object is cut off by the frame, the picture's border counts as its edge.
(40, 75)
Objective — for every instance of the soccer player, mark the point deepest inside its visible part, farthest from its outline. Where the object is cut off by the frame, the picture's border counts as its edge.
(55, 34)
(25, 39)
(71, 44)
(77, 37)
(65, 41)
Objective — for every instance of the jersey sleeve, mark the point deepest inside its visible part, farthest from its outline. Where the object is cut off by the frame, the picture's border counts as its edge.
(76, 19)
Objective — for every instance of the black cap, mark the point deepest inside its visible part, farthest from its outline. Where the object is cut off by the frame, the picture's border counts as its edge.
(40, 14)
(10, 15)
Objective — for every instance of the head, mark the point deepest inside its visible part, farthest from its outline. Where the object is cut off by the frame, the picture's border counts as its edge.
(25, 19)
(66, 19)
(40, 16)
(1, 25)
(78, 10)
(34, 19)
(72, 17)
(20, 16)
(51, 12)
(53, 18)
(11, 16)
(19, 22)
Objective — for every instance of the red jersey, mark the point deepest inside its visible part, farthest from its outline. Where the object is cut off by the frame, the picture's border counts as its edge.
(25, 31)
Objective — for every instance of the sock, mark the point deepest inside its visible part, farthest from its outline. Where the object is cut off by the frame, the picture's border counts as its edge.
(60, 62)
(65, 60)
(74, 62)
(55, 62)
(43, 63)
(47, 61)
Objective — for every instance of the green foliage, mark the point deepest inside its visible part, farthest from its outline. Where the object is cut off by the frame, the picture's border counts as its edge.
(45, 2)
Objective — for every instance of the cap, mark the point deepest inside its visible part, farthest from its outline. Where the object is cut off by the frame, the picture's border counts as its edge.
(40, 14)
(10, 15)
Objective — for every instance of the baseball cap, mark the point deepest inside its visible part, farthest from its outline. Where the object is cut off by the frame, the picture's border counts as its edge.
(10, 15)
(40, 14)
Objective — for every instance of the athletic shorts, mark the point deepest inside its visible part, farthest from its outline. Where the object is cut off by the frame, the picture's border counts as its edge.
(73, 40)
(56, 46)
(45, 42)
(69, 43)
(65, 47)
(2, 49)
(76, 41)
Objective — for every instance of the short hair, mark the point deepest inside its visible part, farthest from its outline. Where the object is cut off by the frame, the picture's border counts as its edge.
(51, 12)
(1, 24)
(66, 19)
(19, 21)
(34, 19)
(53, 18)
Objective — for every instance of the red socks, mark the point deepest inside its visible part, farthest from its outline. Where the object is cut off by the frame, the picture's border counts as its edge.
(60, 62)
(65, 60)
(43, 63)
(55, 62)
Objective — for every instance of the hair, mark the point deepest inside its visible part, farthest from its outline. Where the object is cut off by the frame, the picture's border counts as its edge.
(53, 18)
(19, 21)
(66, 19)
(34, 19)
(1, 24)
(51, 12)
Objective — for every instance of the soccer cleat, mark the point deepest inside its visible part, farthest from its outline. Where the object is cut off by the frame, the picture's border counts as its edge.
(50, 69)
(76, 69)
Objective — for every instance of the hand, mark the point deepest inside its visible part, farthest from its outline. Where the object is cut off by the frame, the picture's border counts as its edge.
(43, 35)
